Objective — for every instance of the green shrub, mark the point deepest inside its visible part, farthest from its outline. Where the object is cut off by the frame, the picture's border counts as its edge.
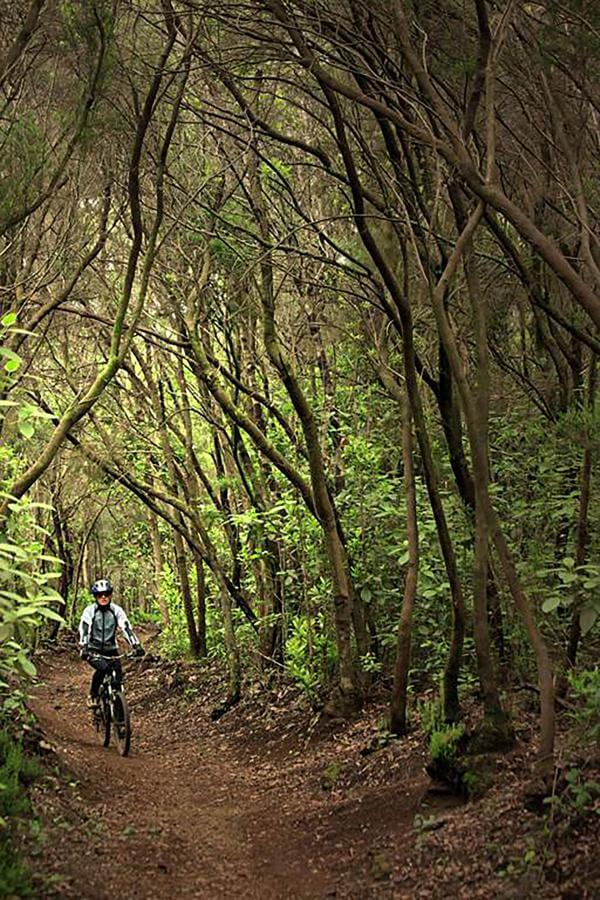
(585, 687)
(575, 802)
(431, 714)
(310, 653)
(173, 641)
(443, 744)
(16, 772)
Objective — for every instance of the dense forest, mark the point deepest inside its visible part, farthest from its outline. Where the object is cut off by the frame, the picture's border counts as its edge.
(299, 308)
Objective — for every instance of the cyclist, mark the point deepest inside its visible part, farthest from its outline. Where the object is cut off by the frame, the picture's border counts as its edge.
(98, 634)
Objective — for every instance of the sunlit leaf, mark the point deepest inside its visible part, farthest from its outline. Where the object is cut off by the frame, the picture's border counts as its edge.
(27, 666)
(587, 618)
(50, 614)
(26, 429)
(551, 604)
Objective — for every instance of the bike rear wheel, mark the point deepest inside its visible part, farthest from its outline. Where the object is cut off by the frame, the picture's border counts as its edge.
(102, 721)
(121, 724)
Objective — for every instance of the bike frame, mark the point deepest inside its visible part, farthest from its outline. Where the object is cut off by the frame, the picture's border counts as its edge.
(108, 696)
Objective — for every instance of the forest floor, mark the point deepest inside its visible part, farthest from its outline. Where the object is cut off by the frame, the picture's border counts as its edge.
(272, 802)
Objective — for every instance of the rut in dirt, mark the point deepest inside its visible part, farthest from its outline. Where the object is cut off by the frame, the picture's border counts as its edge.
(193, 811)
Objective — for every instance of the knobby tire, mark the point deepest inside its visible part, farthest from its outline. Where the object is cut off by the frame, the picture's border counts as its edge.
(102, 721)
(121, 724)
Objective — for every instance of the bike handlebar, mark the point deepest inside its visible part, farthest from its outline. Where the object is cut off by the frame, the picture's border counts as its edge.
(131, 654)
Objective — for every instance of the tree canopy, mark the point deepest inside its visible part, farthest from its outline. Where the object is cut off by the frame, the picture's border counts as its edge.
(299, 315)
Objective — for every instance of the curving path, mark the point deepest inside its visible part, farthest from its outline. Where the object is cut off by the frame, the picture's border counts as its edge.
(194, 814)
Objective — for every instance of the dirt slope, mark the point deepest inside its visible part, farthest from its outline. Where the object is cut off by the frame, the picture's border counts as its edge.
(267, 804)
(192, 814)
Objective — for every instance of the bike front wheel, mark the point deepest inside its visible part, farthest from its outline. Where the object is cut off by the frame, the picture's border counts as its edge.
(102, 721)
(121, 724)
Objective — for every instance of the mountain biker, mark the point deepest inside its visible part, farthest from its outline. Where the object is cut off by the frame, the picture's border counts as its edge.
(98, 634)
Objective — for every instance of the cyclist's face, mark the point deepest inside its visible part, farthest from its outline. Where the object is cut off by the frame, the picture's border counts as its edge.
(103, 599)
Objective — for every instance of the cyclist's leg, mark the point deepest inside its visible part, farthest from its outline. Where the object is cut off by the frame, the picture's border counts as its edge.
(99, 666)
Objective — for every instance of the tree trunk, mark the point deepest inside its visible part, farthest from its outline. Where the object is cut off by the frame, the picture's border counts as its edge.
(401, 668)
(582, 524)
(157, 556)
(348, 697)
(186, 594)
(63, 547)
(200, 605)
(450, 699)
(488, 516)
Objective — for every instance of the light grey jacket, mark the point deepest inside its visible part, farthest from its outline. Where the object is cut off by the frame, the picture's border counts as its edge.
(98, 627)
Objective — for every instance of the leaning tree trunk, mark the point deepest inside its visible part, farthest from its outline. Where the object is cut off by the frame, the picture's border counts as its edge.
(186, 593)
(401, 668)
(181, 561)
(348, 696)
(582, 524)
(401, 316)
(486, 511)
(268, 566)
(130, 305)
(231, 648)
(494, 715)
(450, 699)
(200, 604)
(157, 557)
(63, 546)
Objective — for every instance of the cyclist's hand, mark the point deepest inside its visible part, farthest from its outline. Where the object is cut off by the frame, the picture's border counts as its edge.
(138, 650)
(84, 653)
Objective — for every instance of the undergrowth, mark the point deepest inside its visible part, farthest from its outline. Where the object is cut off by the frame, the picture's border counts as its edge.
(17, 771)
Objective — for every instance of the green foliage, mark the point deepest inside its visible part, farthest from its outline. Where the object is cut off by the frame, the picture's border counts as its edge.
(173, 641)
(16, 772)
(272, 170)
(585, 688)
(25, 413)
(537, 467)
(578, 798)
(370, 663)
(310, 653)
(431, 714)
(443, 744)
(519, 864)
(26, 594)
(331, 775)
(129, 559)
(24, 151)
(570, 583)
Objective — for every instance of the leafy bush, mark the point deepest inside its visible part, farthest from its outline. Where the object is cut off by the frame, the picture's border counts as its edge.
(16, 771)
(310, 653)
(585, 687)
(443, 744)
(173, 641)
(431, 714)
(569, 583)
(575, 802)
(25, 592)
(25, 596)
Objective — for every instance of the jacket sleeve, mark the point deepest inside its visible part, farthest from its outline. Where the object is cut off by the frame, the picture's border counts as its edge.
(85, 624)
(123, 623)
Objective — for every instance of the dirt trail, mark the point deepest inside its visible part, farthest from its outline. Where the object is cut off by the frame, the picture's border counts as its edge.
(195, 813)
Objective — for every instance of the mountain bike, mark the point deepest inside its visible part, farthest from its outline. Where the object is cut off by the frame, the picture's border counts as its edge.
(111, 713)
